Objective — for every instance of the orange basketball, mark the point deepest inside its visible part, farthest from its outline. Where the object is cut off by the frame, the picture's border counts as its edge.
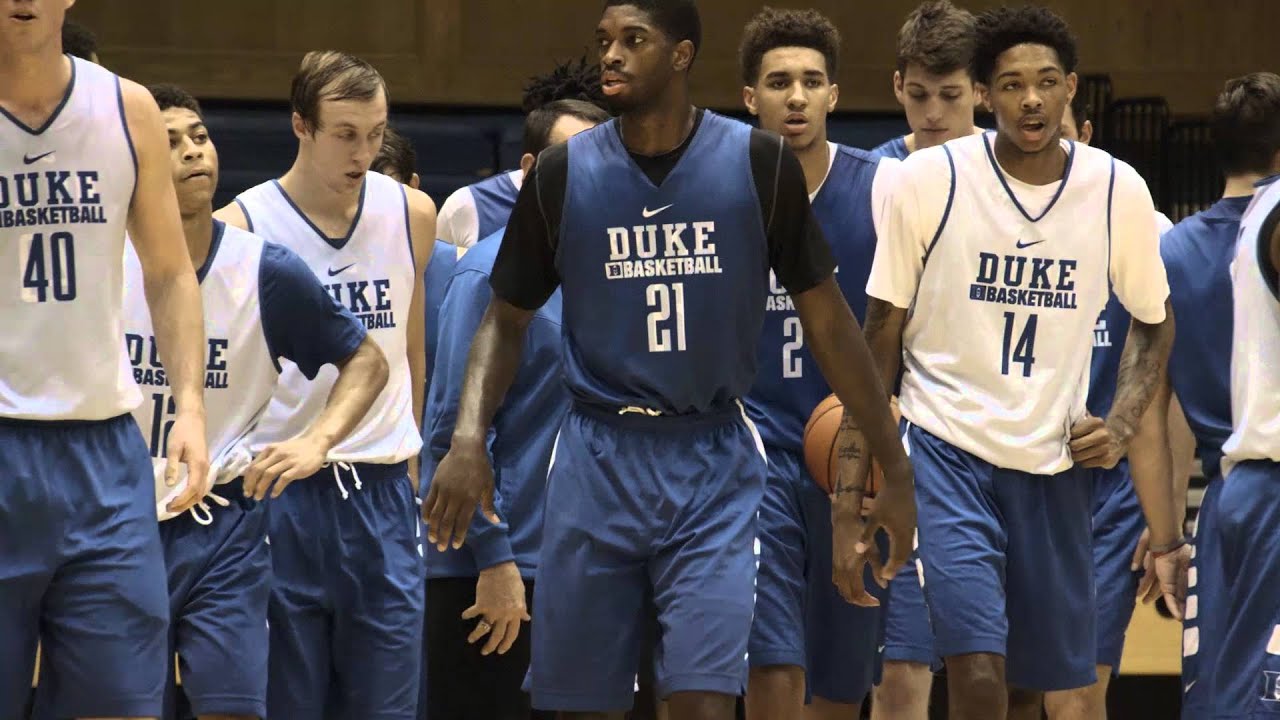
(820, 446)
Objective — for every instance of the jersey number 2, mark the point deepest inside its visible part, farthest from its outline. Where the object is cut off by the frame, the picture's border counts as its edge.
(660, 297)
(1024, 351)
(48, 266)
(792, 363)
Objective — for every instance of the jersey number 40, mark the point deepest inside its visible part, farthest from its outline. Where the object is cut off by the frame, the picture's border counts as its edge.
(48, 268)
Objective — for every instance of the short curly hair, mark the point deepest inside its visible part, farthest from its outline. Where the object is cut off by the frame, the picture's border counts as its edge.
(1246, 123)
(773, 28)
(937, 36)
(1003, 28)
(573, 80)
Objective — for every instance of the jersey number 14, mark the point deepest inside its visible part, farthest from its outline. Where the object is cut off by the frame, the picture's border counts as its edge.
(1023, 351)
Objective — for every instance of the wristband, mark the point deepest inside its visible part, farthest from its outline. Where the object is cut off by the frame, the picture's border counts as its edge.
(1159, 552)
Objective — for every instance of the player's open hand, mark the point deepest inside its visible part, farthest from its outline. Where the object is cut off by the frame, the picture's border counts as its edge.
(280, 464)
(188, 446)
(1167, 575)
(500, 606)
(1094, 445)
(462, 480)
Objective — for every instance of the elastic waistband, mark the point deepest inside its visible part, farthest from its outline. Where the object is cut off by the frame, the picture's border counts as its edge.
(60, 424)
(642, 420)
(366, 471)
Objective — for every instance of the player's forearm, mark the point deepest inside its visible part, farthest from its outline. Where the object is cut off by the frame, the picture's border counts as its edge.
(1151, 466)
(492, 364)
(177, 315)
(1142, 366)
(845, 360)
(360, 379)
(883, 332)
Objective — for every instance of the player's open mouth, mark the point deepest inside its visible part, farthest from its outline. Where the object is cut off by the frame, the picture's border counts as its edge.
(22, 16)
(612, 83)
(355, 175)
(796, 122)
(1033, 125)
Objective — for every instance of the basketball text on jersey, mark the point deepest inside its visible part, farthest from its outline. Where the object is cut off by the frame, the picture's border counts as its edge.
(50, 197)
(1025, 281)
(634, 252)
(1101, 335)
(779, 300)
(368, 300)
(147, 370)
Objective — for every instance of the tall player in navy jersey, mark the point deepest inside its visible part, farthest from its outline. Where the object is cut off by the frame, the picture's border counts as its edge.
(933, 84)
(804, 635)
(346, 603)
(261, 303)
(660, 228)
(932, 80)
(1247, 684)
(1198, 253)
(82, 158)
(492, 576)
(481, 209)
(1118, 524)
(1004, 246)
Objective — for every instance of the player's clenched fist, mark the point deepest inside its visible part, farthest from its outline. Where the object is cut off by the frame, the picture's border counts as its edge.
(463, 480)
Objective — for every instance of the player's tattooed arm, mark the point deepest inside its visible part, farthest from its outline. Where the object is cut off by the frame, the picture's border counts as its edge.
(883, 330)
(1151, 465)
(1142, 365)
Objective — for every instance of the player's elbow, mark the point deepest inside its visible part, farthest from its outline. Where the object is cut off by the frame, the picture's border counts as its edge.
(369, 365)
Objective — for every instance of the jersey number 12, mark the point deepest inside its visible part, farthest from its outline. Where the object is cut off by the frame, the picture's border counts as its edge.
(162, 411)
(667, 302)
(48, 268)
(1024, 351)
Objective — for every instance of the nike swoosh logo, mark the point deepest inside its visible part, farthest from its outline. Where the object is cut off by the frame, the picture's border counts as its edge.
(27, 159)
(1024, 246)
(647, 213)
(1187, 689)
(340, 270)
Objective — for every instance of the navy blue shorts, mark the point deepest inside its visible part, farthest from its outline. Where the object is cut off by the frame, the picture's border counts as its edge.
(800, 617)
(1204, 620)
(645, 510)
(81, 570)
(908, 637)
(1248, 517)
(219, 586)
(1008, 564)
(347, 598)
(1117, 525)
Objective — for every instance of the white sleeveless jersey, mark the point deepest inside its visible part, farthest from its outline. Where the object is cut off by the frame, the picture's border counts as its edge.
(1004, 283)
(1255, 350)
(240, 373)
(65, 191)
(372, 273)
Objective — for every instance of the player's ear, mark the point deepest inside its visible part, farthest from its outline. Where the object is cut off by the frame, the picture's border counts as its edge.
(526, 163)
(682, 55)
(749, 99)
(833, 98)
(1086, 131)
(300, 129)
(981, 97)
(1073, 85)
(897, 87)
(415, 181)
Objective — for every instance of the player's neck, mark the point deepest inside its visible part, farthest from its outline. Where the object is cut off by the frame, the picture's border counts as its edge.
(910, 140)
(815, 160)
(1241, 185)
(1038, 168)
(34, 81)
(660, 129)
(198, 230)
(315, 198)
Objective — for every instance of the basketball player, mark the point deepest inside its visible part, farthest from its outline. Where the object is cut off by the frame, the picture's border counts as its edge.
(804, 635)
(492, 576)
(1117, 517)
(1198, 253)
(933, 84)
(1248, 511)
(481, 209)
(262, 303)
(82, 158)
(397, 159)
(657, 475)
(346, 606)
(932, 81)
(987, 236)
